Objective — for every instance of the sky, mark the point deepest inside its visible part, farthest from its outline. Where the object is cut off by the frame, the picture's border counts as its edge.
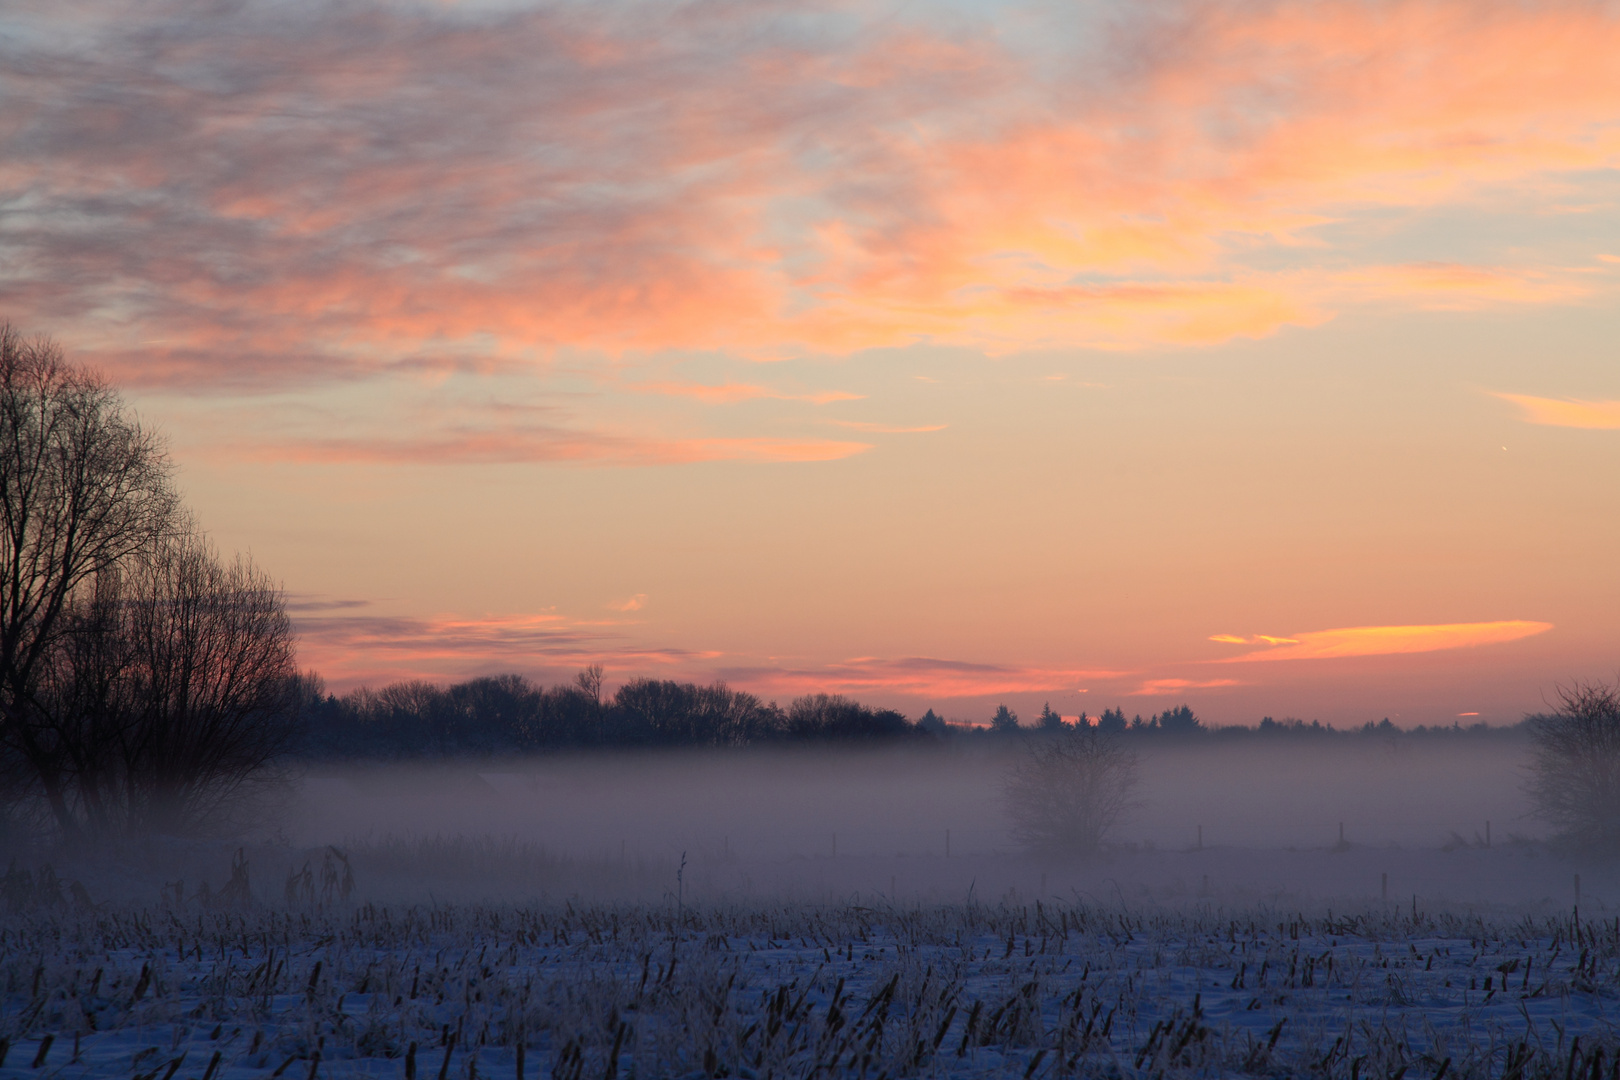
(1257, 356)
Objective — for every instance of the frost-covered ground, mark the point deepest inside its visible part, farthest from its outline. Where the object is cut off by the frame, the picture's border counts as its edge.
(179, 992)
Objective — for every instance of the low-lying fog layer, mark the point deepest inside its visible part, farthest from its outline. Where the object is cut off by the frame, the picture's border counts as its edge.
(1228, 823)
(891, 802)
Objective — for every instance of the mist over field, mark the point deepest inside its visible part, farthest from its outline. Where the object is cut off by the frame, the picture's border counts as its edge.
(930, 823)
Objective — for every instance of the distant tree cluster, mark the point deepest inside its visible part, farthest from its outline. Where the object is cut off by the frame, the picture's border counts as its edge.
(507, 714)
(1177, 721)
(504, 714)
(1181, 721)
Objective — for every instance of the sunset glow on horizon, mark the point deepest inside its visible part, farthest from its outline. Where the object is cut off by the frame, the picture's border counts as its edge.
(963, 352)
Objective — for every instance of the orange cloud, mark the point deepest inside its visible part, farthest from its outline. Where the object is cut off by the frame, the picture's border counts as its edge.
(1386, 640)
(1566, 412)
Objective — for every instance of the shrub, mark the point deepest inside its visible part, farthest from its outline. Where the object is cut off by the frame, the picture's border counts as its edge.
(1070, 791)
(1575, 775)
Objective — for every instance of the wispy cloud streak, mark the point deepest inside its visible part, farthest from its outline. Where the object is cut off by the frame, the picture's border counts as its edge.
(1566, 412)
(888, 429)
(583, 447)
(732, 393)
(353, 649)
(1383, 640)
(916, 677)
(1171, 686)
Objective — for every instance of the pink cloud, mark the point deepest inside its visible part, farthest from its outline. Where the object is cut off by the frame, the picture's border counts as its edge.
(732, 393)
(269, 209)
(1161, 687)
(537, 445)
(920, 677)
(350, 649)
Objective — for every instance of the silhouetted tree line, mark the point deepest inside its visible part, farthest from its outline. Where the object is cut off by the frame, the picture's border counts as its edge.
(507, 714)
(1179, 721)
(1182, 722)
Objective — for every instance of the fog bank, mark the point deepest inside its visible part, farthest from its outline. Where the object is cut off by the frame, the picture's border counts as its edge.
(916, 823)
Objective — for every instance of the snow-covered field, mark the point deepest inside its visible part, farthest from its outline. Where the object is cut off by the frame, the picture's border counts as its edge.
(178, 992)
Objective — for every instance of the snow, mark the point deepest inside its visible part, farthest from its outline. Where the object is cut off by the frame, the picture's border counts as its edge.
(799, 989)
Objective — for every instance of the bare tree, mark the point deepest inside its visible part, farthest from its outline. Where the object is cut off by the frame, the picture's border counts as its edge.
(83, 489)
(1575, 775)
(143, 682)
(589, 681)
(1070, 790)
(172, 689)
(216, 684)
